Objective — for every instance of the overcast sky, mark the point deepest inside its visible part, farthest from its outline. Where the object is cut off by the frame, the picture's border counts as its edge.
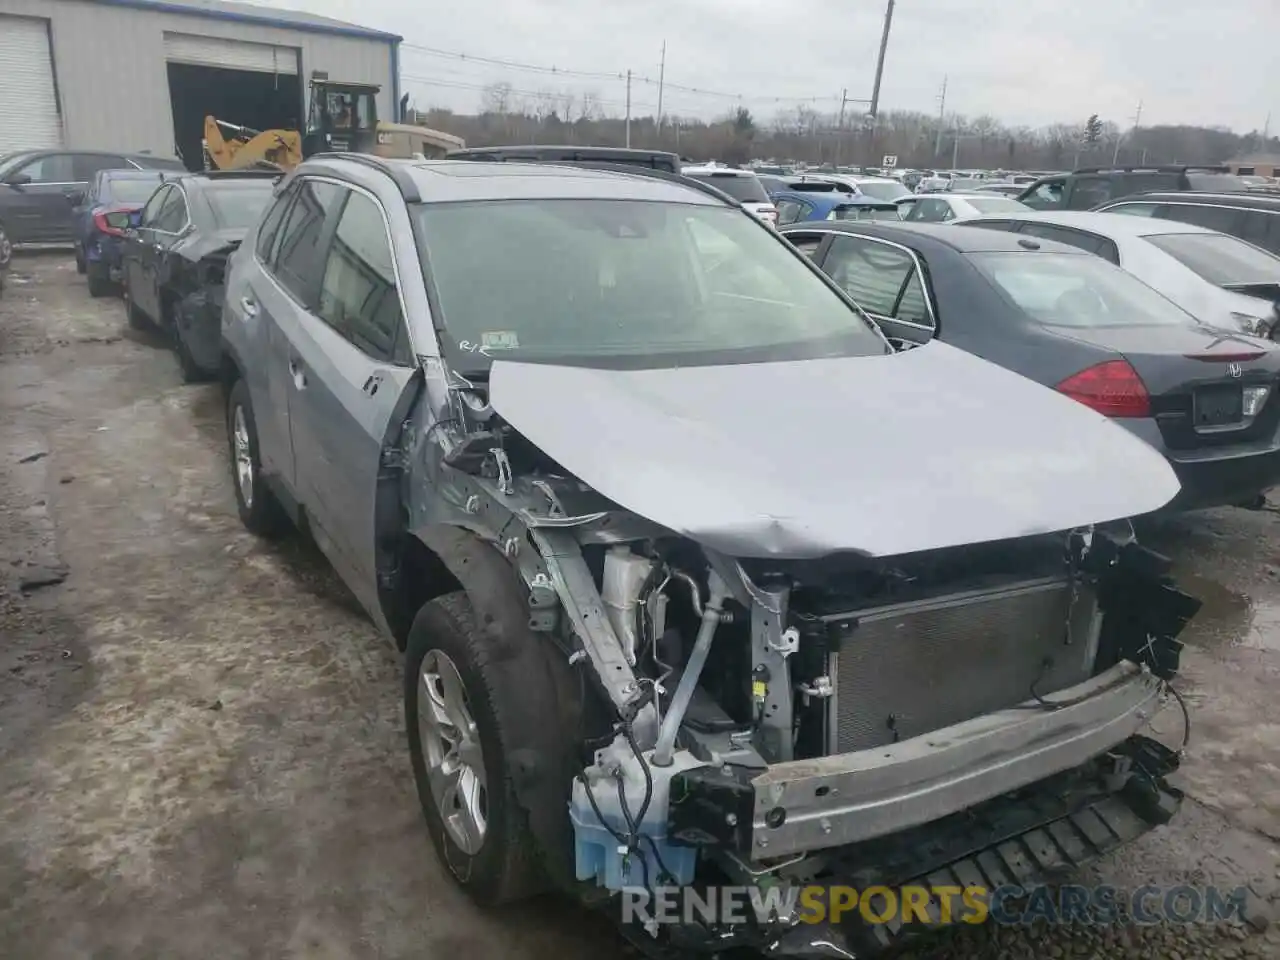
(1026, 62)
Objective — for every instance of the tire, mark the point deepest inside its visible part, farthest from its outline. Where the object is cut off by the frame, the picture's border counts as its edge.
(99, 286)
(81, 265)
(259, 510)
(137, 319)
(191, 372)
(502, 866)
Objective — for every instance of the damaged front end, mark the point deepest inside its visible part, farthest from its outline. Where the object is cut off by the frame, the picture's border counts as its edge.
(968, 713)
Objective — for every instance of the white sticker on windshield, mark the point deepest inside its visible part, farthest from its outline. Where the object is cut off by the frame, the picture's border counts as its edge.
(499, 340)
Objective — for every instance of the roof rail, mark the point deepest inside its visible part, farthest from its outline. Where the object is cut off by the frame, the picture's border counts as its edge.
(248, 173)
(1161, 168)
(650, 172)
(405, 183)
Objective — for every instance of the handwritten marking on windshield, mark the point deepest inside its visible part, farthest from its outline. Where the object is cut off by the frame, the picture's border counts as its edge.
(491, 340)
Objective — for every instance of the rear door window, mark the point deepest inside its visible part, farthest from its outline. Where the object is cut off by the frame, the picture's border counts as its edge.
(86, 166)
(173, 216)
(1073, 238)
(295, 253)
(1089, 191)
(1222, 219)
(1137, 209)
(744, 188)
(151, 212)
(1263, 228)
(788, 211)
(881, 279)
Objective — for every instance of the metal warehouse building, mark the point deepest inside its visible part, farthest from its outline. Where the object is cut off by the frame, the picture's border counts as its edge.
(141, 75)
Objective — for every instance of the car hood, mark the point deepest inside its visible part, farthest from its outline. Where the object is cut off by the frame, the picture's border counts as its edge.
(882, 455)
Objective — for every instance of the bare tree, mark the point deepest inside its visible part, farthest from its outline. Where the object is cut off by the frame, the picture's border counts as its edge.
(496, 98)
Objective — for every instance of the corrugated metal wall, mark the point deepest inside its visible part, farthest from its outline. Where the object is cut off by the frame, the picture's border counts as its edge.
(110, 68)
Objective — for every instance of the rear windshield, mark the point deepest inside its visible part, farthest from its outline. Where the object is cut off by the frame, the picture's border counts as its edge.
(1218, 258)
(131, 190)
(861, 211)
(745, 188)
(238, 207)
(625, 283)
(1222, 182)
(1070, 290)
(883, 190)
(995, 204)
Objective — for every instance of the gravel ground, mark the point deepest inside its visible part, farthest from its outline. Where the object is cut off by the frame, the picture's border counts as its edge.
(200, 737)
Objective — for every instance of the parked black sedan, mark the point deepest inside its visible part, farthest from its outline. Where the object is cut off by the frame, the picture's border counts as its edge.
(1205, 398)
(175, 258)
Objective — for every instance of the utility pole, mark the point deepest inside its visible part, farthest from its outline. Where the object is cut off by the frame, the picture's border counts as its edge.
(1137, 118)
(844, 98)
(955, 149)
(942, 110)
(884, 43)
(662, 73)
(628, 108)
(1266, 129)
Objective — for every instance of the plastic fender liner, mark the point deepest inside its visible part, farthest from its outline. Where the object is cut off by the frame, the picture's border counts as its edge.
(1143, 609)
(538, 696)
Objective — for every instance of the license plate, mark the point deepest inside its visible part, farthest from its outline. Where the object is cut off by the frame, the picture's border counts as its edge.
(1219, 406)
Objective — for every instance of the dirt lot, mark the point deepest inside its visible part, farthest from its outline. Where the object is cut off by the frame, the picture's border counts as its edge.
(201, 745)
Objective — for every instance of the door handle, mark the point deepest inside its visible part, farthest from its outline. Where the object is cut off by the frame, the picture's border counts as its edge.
(371, 385)
(299, 375)
(249, 307)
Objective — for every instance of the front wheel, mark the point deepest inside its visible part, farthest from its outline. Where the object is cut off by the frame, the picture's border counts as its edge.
(460, 763)
(137, 319)
(99, 284)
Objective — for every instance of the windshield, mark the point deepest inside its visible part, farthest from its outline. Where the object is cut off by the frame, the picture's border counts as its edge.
(1218, 258)
(745, 188)
(862, 211)
(629, 283)
(885, 190)
(995, 204)
(131, 189)
(1072, 290)
(238, 207)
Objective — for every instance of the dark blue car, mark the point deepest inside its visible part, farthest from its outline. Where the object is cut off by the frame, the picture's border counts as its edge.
(102, 217)
(796, 206)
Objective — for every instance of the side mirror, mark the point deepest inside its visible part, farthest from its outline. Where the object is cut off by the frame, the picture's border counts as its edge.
(76, 198)
(135, 219)
(18, 179)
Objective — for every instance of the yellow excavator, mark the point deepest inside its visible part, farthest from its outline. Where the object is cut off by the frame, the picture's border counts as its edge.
(342, 117)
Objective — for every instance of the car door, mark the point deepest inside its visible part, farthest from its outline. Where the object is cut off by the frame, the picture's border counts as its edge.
(135, 255)
(172, 223)
(38, 206)
(279, 297)
(886, 280)
(355, 354)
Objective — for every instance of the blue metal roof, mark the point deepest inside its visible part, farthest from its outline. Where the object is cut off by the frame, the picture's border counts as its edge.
(264, 16)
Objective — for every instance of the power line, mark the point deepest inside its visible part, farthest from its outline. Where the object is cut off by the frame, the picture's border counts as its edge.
(460, 85)
(620, 76)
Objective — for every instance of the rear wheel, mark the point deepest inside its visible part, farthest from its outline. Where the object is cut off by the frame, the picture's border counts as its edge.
(457, 745)
(137, 319)
(259, 510)
(99, 282)
(191, 372)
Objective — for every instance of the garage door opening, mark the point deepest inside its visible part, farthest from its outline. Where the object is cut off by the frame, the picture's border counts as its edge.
(248, 98)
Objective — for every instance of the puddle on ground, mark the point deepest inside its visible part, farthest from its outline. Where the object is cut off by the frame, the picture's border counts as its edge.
(1229, 618)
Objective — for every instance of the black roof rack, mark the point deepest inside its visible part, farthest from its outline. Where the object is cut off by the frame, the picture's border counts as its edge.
(404, 182)
(249, 173)
(551, 153)
(1163, 168)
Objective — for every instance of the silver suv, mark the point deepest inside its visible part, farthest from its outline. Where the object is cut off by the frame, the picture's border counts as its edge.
(698, 581)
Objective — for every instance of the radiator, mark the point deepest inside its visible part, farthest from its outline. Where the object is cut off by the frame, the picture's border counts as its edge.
(914, 667)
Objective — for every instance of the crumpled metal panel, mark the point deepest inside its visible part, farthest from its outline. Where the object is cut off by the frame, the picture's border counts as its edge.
(884, 455)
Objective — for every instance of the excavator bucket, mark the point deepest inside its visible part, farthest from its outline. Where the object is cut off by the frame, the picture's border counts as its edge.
(228, 146)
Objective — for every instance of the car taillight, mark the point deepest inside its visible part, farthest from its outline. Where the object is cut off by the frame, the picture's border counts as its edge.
(113, 223)
(1113, 388)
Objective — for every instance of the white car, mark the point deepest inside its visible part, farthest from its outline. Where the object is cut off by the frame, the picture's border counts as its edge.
(945, 207)
(877, 188)
(1221, 280)
(743, 185)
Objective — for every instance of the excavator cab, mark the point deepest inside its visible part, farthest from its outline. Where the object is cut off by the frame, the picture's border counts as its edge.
(343, 117)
